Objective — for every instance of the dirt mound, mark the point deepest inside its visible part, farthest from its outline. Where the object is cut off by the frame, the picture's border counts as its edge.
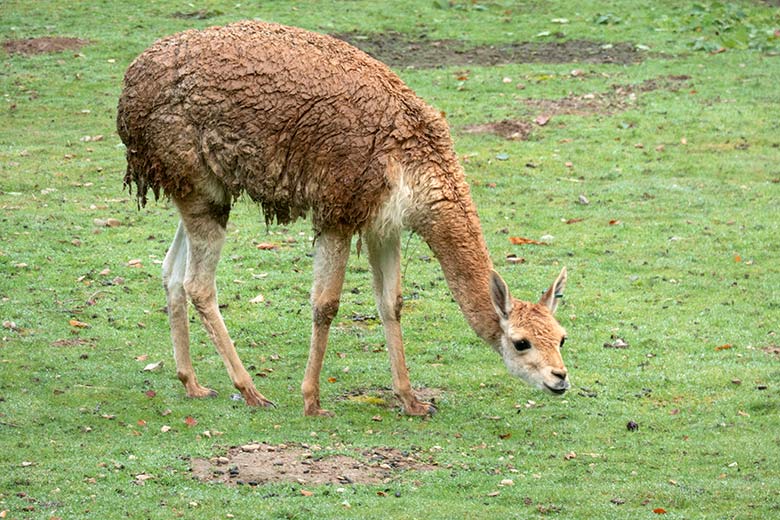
(405, 51)
(44, 45)
(509, 129)
(259, 463)
(619, 98)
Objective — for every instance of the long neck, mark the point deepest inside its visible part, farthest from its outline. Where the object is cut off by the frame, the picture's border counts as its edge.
(453, 232)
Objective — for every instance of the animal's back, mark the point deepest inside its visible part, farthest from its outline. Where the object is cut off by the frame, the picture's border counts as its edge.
(297, 120)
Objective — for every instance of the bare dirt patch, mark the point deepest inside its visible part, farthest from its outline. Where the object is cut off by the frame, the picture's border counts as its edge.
(613, 101)
(510, 129)
(406, 51)
(43, 45)
(260, 463)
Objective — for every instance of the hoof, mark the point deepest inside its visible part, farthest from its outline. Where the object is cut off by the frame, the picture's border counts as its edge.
(254, 398)
(318, 412)
(420, 409)
(201, 392)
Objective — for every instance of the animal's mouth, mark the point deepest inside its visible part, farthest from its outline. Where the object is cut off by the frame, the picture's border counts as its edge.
(558, 389)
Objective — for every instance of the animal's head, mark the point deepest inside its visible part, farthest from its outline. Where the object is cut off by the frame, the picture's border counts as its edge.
(531, 338)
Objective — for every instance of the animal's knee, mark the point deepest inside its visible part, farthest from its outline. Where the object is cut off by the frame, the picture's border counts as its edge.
(399, 303)
(323, 313)
(199, 293)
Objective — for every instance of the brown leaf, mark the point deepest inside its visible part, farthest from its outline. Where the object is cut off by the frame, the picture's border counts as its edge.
(190, 421)
(150, 393)
(266, 246)
(306, 492)
(723, 347)
(659, 511)
(574, 220)
(518, 241)
(614, 222)
(570, 455)
(542, 119)
(78, 324)
(331, 380)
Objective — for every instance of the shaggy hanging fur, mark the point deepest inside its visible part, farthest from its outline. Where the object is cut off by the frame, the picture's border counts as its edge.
(298, 121)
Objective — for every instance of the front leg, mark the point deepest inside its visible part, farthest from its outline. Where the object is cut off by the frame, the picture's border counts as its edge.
(384, 255)
(330, 263)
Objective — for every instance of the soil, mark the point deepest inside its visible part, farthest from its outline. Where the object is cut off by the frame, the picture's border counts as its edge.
(402, 51)
(260, 463)
(617, 99)
(44, 45)
(510, 129)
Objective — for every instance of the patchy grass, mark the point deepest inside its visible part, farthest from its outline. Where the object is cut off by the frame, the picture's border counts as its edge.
(674, 255)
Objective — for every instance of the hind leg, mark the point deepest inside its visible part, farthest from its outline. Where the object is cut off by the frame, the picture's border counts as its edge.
(204, 224)
(174, 268)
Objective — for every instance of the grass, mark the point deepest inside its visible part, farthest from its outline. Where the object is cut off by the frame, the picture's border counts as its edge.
(676, 254)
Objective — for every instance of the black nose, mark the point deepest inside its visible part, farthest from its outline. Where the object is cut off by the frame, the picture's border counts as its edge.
(559, 373)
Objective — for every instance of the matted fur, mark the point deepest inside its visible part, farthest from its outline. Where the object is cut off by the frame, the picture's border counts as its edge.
(298, 121)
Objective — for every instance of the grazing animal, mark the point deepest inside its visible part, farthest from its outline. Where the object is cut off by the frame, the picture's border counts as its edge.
(305, 124)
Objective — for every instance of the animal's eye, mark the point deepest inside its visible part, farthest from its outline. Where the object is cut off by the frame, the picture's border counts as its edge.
(522, 344)
(563, 340)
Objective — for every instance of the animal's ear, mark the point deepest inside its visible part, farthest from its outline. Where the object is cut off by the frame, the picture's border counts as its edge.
(550, 298)
(499, 295)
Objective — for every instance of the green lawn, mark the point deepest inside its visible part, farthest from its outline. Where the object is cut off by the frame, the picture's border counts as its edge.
(677, 151)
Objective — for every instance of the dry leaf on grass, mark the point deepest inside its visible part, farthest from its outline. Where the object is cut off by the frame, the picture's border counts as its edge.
(519, 241)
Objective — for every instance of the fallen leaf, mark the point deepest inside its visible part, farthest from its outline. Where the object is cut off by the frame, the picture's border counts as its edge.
(518, 241)
(306, 492)
(542, 119)
(266, 246)
(617, 343)
(614, 222)
(150, 393)
(331, 380)
(570, 455)
(78, 324)
(659, 511)
(135, 262)
(514, 259)
(257, 299)
(141, 422)
(142, 357)
(573, 220)
(151, 367)
(377, 418)
(737, 258)
(504, 436)
(507, 482)
(494, 493)
(190, 421)
(743, 414)
(165, 428)
(723, 347)
(582, 199)
(143, 477)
